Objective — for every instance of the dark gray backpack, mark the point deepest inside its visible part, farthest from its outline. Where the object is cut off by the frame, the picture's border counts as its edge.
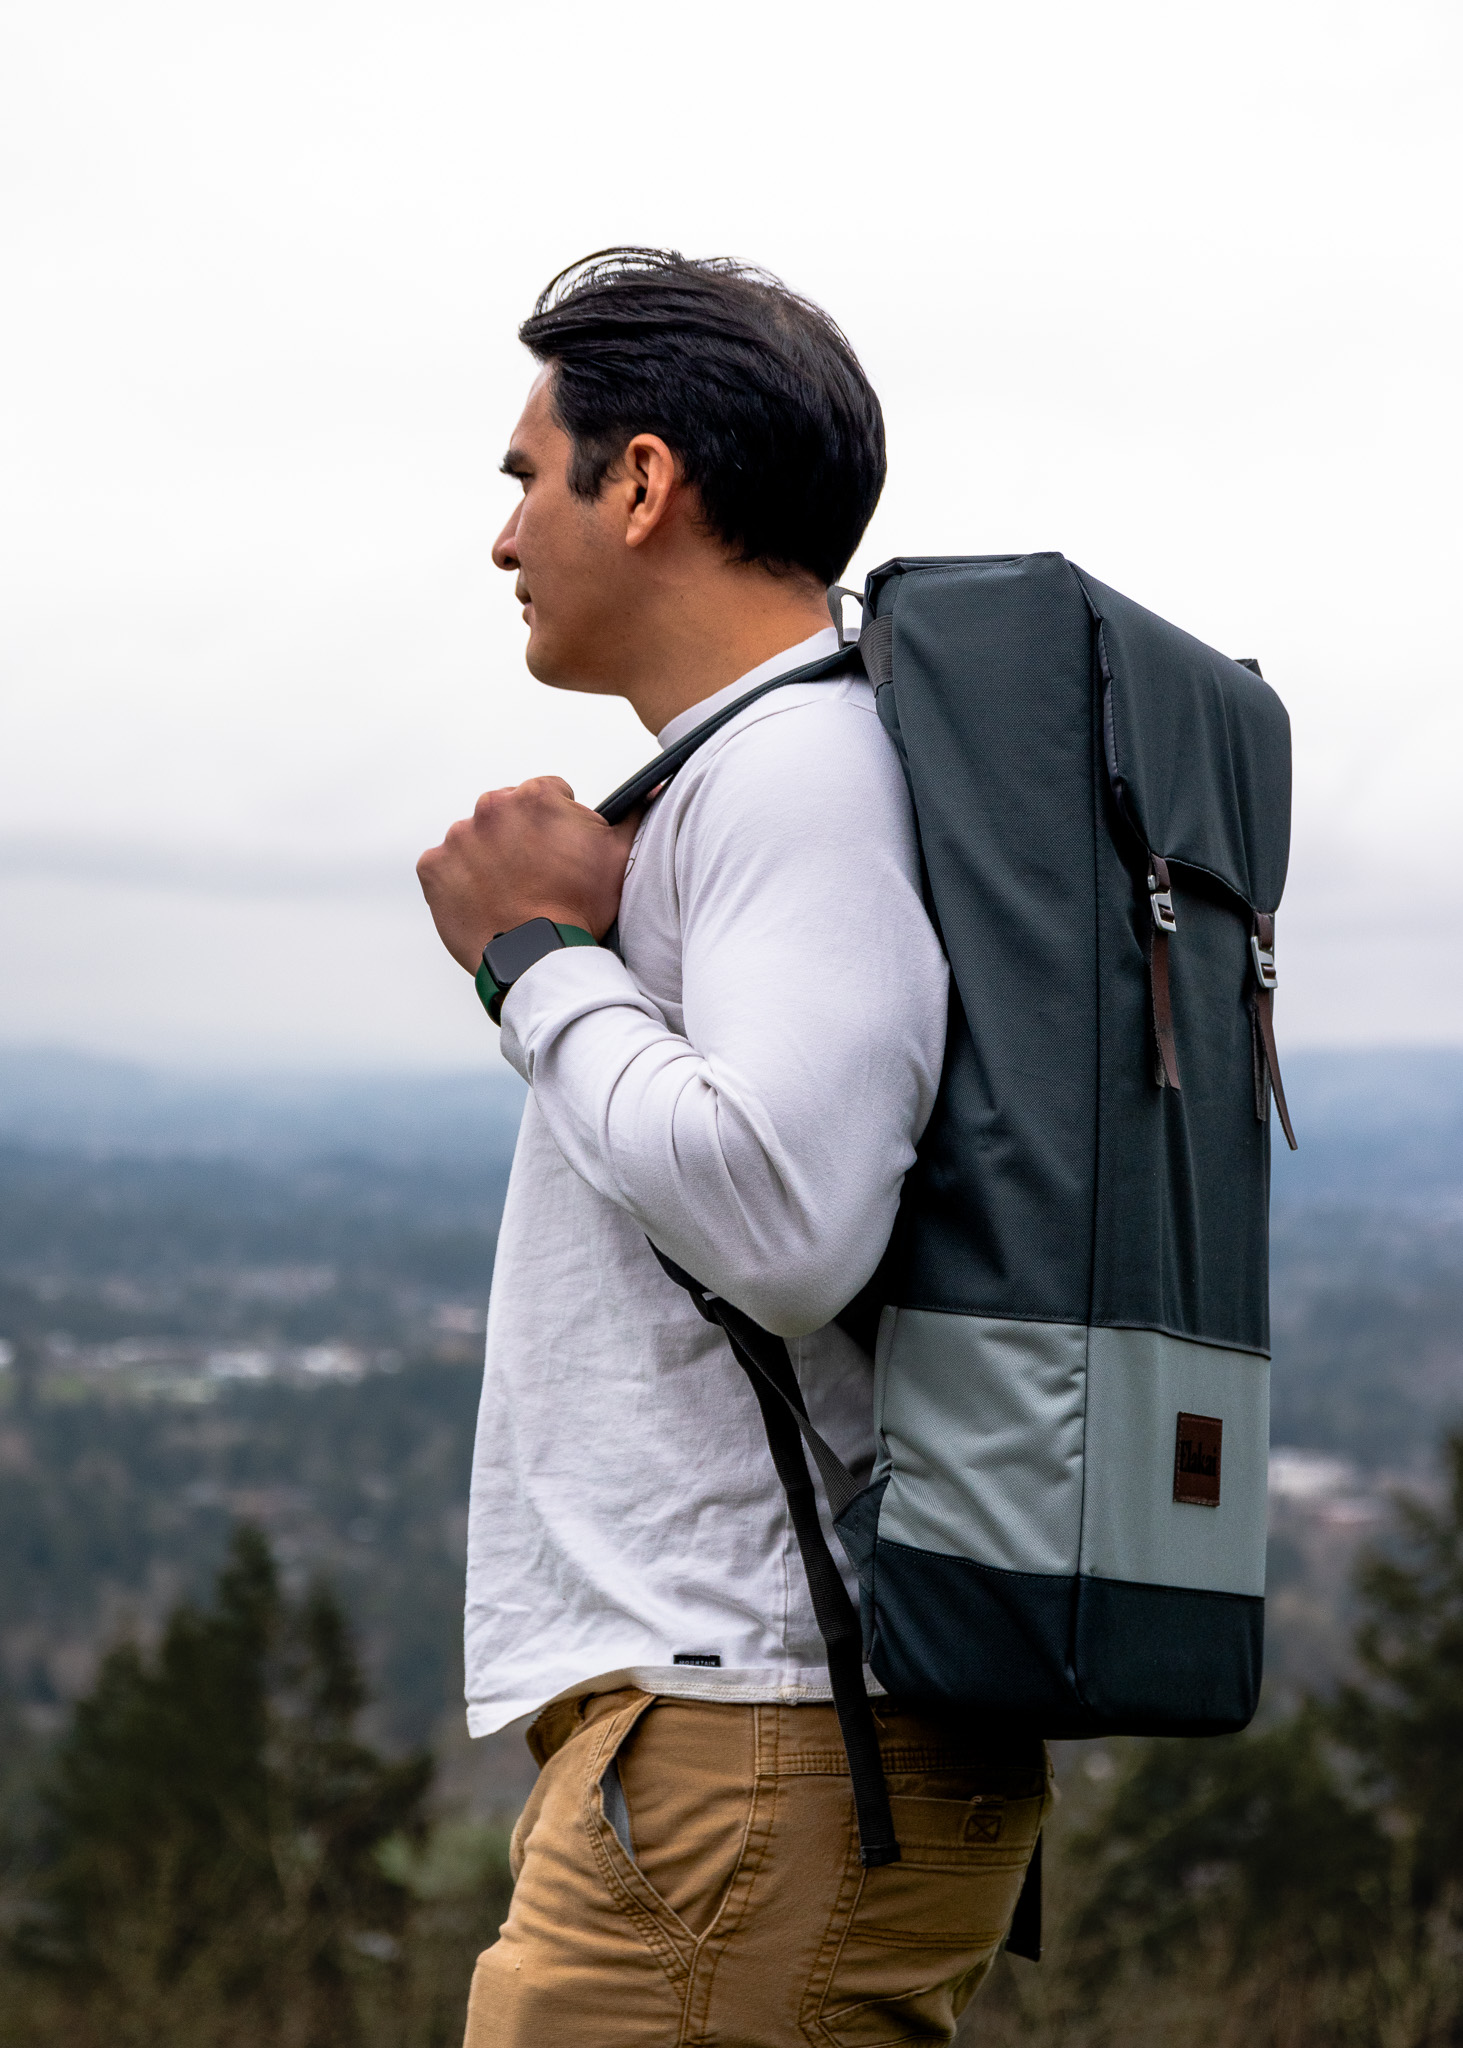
(1065, 1531)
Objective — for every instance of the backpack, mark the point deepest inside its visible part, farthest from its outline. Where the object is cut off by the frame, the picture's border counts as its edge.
(1064, 1534)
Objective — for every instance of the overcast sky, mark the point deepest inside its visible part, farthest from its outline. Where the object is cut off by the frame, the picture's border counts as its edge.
(1174, 290)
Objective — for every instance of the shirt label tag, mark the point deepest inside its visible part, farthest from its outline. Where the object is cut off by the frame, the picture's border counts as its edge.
(696, 1657)
(1196, 1460)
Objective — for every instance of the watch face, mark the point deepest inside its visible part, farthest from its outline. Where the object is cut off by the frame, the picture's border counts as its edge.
(513, 953)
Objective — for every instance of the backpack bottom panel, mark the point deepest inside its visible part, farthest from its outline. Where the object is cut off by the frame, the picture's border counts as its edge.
(1060, 1656)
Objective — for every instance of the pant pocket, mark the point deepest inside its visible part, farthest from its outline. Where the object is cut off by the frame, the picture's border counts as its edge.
(916, 1934)
(606, 1813)
(612, 1803)
(687, 1773)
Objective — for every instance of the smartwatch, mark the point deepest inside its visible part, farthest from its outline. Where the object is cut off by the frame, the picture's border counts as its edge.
(510, 954)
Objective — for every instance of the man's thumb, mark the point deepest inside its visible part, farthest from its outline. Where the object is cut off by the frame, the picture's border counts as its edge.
(628, 826)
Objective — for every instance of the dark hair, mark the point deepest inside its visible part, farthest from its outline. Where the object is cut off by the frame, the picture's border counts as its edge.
(754, 390)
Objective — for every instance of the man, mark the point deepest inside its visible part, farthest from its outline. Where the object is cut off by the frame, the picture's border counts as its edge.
(741, 1079)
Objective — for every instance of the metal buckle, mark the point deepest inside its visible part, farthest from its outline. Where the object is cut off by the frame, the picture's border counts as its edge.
(1160, 902)
(1264, 959)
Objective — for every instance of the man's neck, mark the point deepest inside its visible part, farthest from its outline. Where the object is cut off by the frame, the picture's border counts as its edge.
(698, 642)
(815, 646)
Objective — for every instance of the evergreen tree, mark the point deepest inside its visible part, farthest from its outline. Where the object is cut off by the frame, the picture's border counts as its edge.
(1404, 1722)
(1333, 1837)
(215, 1827)
(1253, 1843)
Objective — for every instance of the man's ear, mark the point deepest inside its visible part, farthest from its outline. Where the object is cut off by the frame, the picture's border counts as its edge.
(655, 479)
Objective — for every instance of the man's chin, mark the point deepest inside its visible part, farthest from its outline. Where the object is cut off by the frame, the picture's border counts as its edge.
(538, 659)
(557, 670)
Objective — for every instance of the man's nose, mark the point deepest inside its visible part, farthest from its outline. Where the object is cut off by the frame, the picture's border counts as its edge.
(505, 547)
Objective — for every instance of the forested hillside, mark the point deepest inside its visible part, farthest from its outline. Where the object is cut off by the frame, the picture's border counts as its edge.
(265, 1300)
(259, 1307)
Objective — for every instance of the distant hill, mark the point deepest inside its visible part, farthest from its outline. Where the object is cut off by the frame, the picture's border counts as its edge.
(177, 1215)
(264, 1296)
(1378, 1127)
(54, 1100)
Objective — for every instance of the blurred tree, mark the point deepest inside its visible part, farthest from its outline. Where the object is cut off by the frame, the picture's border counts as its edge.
(1333, 1837)
(213, 1868)
(1404, 1721)
(1256, 1840)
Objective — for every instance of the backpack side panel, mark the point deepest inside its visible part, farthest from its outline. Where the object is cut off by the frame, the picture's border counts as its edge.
(995, 708)
(1080, 1259)
(1195, 766)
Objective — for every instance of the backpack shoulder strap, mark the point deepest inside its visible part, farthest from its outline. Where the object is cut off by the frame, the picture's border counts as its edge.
(764, 1358)
(620, 802)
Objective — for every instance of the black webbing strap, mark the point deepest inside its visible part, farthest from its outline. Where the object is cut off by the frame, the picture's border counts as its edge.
(764, 1359)
(760, 1353)
(1024, 1938)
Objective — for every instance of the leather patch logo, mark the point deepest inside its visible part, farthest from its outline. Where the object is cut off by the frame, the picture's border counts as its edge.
(1196, 1460)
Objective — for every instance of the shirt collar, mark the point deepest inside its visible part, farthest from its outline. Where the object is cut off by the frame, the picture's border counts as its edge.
(812, 649)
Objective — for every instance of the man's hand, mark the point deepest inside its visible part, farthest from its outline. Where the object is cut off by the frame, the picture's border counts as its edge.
(525, 852)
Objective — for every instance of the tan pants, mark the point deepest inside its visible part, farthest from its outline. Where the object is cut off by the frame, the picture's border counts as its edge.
(740, 1917)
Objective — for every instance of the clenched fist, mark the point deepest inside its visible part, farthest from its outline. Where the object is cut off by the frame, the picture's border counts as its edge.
(525, 852)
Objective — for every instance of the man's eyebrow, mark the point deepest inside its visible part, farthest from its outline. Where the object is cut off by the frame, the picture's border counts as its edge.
(516, 463)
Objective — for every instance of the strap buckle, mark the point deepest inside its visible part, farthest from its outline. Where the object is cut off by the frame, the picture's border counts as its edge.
(1264, 959)
(837, 597)
(1160, 902)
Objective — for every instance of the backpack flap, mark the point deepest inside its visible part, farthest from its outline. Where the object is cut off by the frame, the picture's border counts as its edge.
(1197, 749)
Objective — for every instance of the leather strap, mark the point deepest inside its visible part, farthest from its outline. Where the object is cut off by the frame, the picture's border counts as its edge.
(1160, 903)
(1262, 1018)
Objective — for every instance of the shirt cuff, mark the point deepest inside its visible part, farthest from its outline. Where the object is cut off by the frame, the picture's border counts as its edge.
(559, 989)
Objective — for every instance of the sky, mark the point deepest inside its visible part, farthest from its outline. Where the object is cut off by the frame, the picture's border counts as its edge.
(1173, 290)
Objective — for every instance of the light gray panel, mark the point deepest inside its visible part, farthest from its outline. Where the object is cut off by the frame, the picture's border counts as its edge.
(1138, 1384)
(980, 1422)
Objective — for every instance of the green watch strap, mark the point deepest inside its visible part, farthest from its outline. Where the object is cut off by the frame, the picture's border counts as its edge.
(488, 990)
(491, 995)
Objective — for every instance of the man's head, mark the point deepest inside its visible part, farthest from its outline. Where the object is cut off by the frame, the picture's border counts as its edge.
(698, 436)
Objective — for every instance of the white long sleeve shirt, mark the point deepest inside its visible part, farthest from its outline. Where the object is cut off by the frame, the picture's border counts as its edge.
(745, 1087)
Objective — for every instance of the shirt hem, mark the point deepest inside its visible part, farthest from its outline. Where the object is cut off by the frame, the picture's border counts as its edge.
(755, 1688)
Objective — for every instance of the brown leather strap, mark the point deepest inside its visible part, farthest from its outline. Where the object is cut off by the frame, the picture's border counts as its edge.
(1259, 1067)
(1262, 1013)
(1160, 902)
